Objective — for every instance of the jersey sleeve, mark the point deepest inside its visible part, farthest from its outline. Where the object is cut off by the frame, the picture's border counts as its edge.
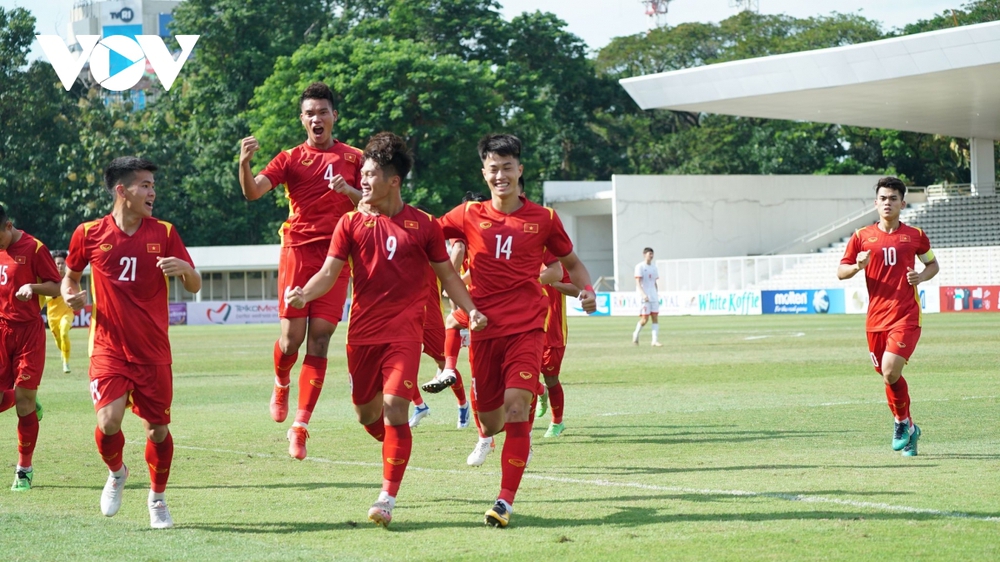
(851, 252)
(175, 246)
(638, 271)
(340, 244)
(453, 223)
(924, 253)
(435, 247)
(45, 266)
(275, 169)
(548, 258)
(558, 241)
(77, 259)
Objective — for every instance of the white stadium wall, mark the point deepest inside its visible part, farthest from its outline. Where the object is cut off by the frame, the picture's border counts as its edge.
(714, 216)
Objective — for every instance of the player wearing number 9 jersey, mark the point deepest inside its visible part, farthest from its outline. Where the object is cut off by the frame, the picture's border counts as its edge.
(319, 176)
(130, 254)
(506, 239)
(388, 245)
(888, 251)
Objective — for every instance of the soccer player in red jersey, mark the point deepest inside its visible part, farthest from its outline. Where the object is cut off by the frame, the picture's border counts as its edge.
(319, 177)
(556, 333)
(888, 251)
(506, 239)
(130, 254)
(385, 243)
(27, 272)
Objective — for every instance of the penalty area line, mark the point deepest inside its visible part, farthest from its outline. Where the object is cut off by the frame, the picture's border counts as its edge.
(873, 506)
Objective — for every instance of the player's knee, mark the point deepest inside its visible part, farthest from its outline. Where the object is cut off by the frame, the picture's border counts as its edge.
(24, 402)
(551, 381)
(289, 344)
(157, 433)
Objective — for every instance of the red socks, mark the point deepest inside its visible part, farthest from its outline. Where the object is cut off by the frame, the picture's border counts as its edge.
(556, 402)
(513, 459)
(452, 347)
(898, 395)
(395, 455)
(283, 364)
(27, 434)
(7, 400)
(158, 458)
(377, 429)
(311, 379)
(110, 447)
(458, 388)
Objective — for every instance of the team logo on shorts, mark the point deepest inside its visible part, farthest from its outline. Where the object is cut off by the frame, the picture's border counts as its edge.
(394, 461)
(20, 260)
(485, 224)
(516, 462)
(106, 247)
(531, 227)
(166, 412)
(408, 384)
(525, 375)
(307, 162)
(153, 248)
(22, 377)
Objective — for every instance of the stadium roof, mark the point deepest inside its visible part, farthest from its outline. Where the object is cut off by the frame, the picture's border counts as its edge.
(942, 82)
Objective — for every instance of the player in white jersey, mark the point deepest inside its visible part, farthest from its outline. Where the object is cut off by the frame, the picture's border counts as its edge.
(646, 275)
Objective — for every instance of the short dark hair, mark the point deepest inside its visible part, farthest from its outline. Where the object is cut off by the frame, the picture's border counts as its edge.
(501, 145)
(59, 254)
(890, 182)
(317, 91)
(389, 151)
(122, 171)
(474, 196)
(647, 251)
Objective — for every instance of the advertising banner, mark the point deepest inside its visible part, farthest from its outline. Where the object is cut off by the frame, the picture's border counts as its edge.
(232, 312)
(810, 301)
(739, 303)
(178, 313)
(573, 307)
(970, 298)
(930, 298)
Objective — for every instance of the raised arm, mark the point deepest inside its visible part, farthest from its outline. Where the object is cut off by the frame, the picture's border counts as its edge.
(253, 187)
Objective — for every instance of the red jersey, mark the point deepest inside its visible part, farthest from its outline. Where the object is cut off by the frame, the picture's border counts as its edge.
(433, 291)
(385, 254)
(25, 261)
(130, 312)
(892, 301)
(314, 208)
(555, 322)
(504, 252)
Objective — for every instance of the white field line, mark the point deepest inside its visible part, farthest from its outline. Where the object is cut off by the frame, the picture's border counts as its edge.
(874, 506)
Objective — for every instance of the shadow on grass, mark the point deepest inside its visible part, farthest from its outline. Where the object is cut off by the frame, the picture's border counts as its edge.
(144, 485)
(963, 456)
(631, 470)
(694, 436)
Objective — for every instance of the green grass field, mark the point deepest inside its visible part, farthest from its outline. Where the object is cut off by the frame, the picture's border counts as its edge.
(743, 438)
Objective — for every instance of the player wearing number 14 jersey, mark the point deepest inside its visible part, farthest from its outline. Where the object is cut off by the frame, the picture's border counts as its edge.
(130, 254)
(888, 251)
(506, 239)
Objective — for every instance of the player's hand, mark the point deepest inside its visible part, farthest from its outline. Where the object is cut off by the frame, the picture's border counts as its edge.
(477, 321)
(912, 277)
(25, 292)
(295, 298)
(588, 301)
(173, 267)
(247, 148)
(645, 299)
(77, 300)
(863, 259)
(340, 185)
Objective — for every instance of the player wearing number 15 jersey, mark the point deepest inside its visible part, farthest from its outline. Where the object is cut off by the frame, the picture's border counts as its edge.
(388, 245)
(888, 251)
(319, 177)
(130, 254)
(506, 239)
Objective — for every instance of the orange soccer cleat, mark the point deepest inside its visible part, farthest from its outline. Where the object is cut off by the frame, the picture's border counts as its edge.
(279, 403)
(297, 441)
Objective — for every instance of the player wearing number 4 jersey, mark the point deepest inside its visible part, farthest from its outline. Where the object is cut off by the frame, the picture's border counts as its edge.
(130, 254)
(319, 177)
(888, 251)
(387, 244)
(506, 239)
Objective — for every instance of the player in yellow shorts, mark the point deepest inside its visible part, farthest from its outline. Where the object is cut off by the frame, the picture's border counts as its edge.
(60, 314)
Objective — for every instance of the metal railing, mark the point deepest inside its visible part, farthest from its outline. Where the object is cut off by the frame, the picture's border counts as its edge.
(823, 231)
(941, 191)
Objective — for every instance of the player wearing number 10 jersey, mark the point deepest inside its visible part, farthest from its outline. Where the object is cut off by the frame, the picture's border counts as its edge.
(888, 251)
(506, 239)
(319, 177)
(388, 245)
(130, 254)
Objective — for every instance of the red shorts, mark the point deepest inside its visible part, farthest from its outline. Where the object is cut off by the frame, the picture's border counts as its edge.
(552, 360)
(22, 354)
(512, 361)
(461, 317)
(296, 266)
(390, 368)
(150, 388)
(899, 341)
(434, 334)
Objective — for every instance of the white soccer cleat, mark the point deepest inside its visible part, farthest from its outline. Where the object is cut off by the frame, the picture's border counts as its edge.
(381, 513)
(442, 380)
(111, 497)
(159, 515)
(483, 448)
(419, 412)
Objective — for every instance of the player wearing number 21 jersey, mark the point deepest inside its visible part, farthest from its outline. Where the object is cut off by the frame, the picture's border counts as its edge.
(130, 254)
(388, 245)
(888, 251)
(506, 239)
